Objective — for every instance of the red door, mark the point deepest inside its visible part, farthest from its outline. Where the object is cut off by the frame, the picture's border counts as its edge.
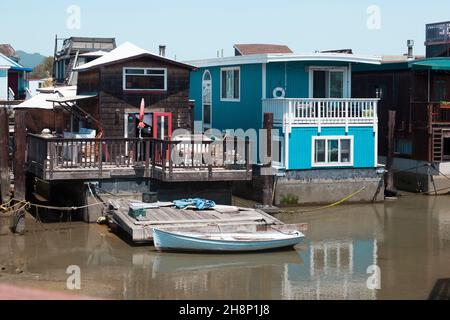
(162, 130)
(162, 125)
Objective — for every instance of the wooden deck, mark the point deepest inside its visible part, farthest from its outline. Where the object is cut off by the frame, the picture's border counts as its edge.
(169, 161)
(170, 218)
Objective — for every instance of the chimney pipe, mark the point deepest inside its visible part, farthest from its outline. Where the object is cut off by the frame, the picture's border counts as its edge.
(410, 45)
(162, 51)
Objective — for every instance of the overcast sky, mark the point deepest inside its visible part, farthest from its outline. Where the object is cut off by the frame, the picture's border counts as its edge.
(195, 29)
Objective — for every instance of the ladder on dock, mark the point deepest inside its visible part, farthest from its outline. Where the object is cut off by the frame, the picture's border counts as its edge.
(438, 145)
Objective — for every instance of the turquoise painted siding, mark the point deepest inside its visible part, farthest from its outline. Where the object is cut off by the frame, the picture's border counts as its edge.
(293, 77)
(245, 114)
(300, 146)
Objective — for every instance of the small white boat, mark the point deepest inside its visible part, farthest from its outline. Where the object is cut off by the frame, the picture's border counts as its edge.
(225, 241)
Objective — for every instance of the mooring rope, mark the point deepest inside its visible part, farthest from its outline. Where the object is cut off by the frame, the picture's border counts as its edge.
(330, 205)
(30, 204)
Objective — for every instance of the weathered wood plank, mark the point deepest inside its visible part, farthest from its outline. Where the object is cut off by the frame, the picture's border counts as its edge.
(20, 138)
(4, 156)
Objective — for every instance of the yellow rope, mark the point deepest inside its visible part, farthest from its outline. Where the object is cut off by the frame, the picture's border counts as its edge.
(330, 205)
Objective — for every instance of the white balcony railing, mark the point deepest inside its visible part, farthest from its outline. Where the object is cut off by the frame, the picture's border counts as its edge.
(322, 112)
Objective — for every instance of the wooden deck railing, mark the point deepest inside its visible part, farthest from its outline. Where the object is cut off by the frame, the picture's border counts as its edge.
(155, 158)
(427, 114)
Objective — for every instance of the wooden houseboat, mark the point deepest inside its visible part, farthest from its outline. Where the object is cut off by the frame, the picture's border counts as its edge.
(418, 90)
(97, 139)
(327, 139)
(74, 52)
(13, 76)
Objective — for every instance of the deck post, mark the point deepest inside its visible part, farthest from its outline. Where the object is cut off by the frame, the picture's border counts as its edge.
(20, 137)
(390, 157)
(248, 165)
(4, 155)
(164, 156)
(170, 161)
(147, 145)
(266, 170)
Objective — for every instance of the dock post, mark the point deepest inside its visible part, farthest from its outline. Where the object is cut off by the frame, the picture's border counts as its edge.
(4, 156)
(390, 156)
(267, 194)
(20, 141)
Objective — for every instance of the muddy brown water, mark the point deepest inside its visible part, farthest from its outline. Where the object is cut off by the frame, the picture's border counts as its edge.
(408, 239)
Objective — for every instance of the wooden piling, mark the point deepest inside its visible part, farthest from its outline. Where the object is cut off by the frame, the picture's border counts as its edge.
(4, 156)
(390, 156)
(20, 137)
(268, 187)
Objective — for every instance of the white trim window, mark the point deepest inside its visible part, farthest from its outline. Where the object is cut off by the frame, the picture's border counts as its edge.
(230, 84)
(144, 79)
(332, 151)
(329, 82)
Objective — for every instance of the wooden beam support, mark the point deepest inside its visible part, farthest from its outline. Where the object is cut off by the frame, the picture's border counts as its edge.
(268, 191)
(390, 156)
(20, 141)
(4, 156)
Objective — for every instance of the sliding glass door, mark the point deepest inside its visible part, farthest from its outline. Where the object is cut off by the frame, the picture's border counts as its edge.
(329, 83)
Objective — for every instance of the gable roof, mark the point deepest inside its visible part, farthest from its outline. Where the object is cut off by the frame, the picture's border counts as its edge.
(126, 52)
(8, 63)
(249, 49)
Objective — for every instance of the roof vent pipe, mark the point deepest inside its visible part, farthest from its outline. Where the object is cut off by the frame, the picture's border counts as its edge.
(162, 51)
(410, 45)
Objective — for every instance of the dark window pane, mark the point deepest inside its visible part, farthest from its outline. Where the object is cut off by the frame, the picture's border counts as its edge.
(336, 84)
(319, 85)
(345, 151)
(156, 72)
(207, 114)
(320, 151)
(134, 71)
(144, 82)
(333, 151)
(224, 84)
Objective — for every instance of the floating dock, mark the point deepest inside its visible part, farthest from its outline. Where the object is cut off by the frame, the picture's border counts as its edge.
(170, 218)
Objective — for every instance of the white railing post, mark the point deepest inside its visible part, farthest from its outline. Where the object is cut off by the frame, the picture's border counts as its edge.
(346, 116)
(319, 116)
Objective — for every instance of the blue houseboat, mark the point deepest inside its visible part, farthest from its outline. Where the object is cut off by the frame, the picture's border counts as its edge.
(13, 79)
(325, 136)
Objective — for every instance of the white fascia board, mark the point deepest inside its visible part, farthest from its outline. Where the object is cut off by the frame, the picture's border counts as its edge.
(268, 58)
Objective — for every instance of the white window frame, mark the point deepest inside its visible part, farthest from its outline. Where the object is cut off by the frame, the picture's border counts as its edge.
(144, 75)
(208, 126)
(347, 80)
(332, 164)
(221, 84)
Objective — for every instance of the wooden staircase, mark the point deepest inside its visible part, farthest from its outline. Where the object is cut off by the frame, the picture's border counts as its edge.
(69, 71)
(438, 145)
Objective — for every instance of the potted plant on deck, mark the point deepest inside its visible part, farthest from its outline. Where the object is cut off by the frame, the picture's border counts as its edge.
(445, 105)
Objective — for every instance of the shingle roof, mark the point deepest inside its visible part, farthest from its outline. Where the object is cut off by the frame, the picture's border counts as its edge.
(248, 49)
(125, 52)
